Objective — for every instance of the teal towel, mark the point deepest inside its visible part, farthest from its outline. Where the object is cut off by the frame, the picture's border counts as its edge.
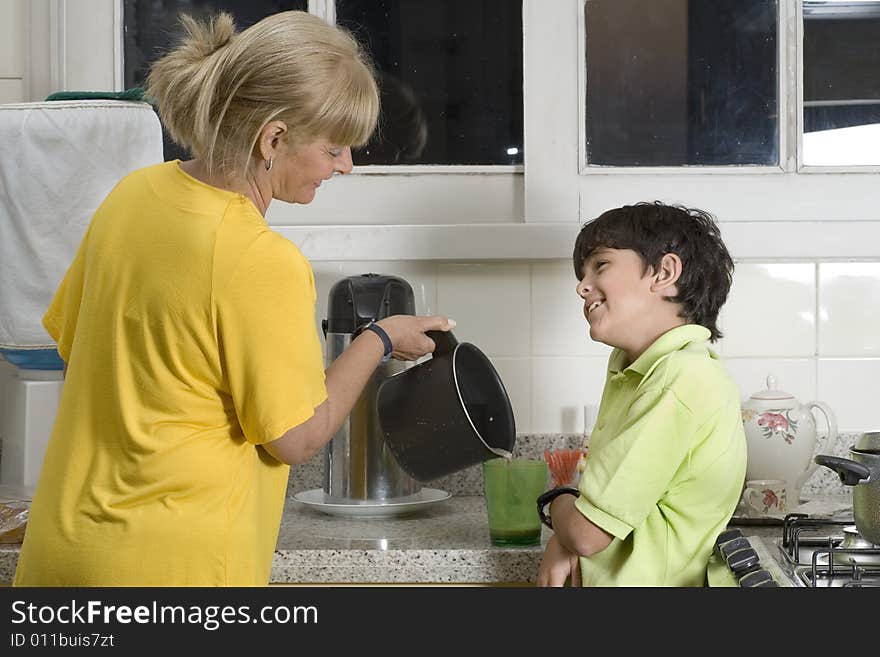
(135, 93)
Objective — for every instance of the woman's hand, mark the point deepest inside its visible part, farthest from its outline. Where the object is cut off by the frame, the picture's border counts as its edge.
(557, 564)
(407, 333)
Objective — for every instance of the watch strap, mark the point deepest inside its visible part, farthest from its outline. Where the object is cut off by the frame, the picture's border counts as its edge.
(544, 500)
(386, 341)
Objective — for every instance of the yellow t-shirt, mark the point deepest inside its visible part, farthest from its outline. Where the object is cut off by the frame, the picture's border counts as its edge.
(188, 329)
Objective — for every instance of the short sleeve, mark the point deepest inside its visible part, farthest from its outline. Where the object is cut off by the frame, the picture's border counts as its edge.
(62, 314)
(269, 345)
(622, 485)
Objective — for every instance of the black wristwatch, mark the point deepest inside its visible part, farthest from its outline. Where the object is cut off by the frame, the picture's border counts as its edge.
(544, 499)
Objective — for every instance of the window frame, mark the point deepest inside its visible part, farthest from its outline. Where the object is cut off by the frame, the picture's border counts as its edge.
(587, 169)
(732, 193)
(801, 167)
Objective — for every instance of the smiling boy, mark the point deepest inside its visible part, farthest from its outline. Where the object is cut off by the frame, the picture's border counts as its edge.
(668, 451)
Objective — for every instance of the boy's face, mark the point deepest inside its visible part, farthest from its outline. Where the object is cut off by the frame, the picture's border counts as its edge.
(617, 296)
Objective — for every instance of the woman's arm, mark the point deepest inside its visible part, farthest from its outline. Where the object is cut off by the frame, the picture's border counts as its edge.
(346, 378)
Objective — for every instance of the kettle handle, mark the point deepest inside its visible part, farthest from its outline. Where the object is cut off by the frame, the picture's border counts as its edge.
(444, 340)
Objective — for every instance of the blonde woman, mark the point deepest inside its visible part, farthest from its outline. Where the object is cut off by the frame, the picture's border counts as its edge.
(194, 371)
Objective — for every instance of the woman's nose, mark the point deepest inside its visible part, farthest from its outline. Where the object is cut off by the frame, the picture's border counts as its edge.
(343, 161)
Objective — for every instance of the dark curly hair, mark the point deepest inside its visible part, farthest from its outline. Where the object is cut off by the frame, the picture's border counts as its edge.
(655, 229)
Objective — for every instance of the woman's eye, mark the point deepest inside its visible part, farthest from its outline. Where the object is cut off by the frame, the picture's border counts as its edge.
(335, 152)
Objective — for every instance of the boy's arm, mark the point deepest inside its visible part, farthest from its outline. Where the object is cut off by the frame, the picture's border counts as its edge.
(574, 531)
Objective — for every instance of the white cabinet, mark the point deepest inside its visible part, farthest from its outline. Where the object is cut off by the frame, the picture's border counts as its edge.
(12, 45)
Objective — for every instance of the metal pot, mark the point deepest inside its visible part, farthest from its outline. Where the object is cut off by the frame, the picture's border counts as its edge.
(863, 473)
(447, 413)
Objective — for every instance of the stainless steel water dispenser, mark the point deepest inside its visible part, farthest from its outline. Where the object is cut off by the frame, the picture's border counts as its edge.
(358, 467)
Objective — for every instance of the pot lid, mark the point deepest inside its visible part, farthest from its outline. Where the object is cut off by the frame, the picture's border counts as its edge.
(772, 392)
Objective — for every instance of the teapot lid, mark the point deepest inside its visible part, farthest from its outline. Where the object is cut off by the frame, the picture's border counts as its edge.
(771, 392)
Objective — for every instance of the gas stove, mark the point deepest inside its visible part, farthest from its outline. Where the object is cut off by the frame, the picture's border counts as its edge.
(809, 552)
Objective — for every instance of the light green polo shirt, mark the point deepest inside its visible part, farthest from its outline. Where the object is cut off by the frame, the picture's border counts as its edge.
(666, 463)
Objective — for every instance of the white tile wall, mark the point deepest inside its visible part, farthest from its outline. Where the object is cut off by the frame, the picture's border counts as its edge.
(813, 325)
(794, 375)
(849, 309)
(771, 311)
(491, 303)
(561, 387)
(849, 387)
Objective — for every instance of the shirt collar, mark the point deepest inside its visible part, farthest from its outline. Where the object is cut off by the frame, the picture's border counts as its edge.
(673, 340)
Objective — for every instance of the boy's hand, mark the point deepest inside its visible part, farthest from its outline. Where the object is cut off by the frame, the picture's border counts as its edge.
(558, 564)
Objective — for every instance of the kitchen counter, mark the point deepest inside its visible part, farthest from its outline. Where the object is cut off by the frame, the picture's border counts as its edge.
(446, 543)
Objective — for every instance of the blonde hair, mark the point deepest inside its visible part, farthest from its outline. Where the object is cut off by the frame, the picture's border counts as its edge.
(218, 89)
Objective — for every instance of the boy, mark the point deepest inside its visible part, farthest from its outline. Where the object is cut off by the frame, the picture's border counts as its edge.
(668, 452)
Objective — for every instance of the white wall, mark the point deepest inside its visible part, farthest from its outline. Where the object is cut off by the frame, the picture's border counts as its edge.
(12, 49)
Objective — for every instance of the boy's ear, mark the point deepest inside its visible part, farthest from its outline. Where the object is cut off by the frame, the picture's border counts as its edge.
(667, 274)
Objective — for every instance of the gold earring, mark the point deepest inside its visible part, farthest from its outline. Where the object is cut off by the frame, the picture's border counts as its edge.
(269, 164)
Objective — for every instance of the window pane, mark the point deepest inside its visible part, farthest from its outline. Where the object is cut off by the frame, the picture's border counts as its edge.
(151, 28)
(841, 83)
(681, 82)
(451, 79)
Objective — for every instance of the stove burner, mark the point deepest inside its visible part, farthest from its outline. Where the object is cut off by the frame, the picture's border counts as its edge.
(829, 553)
(857, 549)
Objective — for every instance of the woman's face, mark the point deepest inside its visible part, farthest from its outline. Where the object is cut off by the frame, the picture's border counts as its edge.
(301, 171)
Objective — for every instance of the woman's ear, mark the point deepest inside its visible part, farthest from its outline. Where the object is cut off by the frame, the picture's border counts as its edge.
(270, 136)
(667, 274)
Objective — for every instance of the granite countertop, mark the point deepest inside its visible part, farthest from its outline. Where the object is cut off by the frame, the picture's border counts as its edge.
(445, 542)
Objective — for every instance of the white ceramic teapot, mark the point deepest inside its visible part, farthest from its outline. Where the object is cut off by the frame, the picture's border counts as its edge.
(781, 436)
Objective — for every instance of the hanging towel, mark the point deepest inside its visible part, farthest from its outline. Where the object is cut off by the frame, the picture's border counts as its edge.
(58, 160)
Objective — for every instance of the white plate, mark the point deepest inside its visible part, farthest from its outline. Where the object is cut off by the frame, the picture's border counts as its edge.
(315, 498)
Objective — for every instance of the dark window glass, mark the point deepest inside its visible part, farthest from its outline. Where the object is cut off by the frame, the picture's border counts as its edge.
(841, 82)
(681, 82)
(151, 28)
(450, 74)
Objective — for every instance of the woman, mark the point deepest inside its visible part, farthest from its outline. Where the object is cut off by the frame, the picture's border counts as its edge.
(194, 371)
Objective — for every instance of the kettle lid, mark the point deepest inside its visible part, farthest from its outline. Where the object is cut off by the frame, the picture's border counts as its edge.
(771, 391)
(356, 300)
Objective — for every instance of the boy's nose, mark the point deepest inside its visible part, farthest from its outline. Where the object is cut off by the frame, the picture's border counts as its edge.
(583, 288)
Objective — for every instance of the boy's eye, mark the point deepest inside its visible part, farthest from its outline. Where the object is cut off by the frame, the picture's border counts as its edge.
(601, 263)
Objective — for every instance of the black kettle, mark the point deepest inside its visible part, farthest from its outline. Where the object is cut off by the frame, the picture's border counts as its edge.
(447, 413)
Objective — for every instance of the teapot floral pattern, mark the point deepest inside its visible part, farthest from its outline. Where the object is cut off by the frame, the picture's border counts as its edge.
(778, 421)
